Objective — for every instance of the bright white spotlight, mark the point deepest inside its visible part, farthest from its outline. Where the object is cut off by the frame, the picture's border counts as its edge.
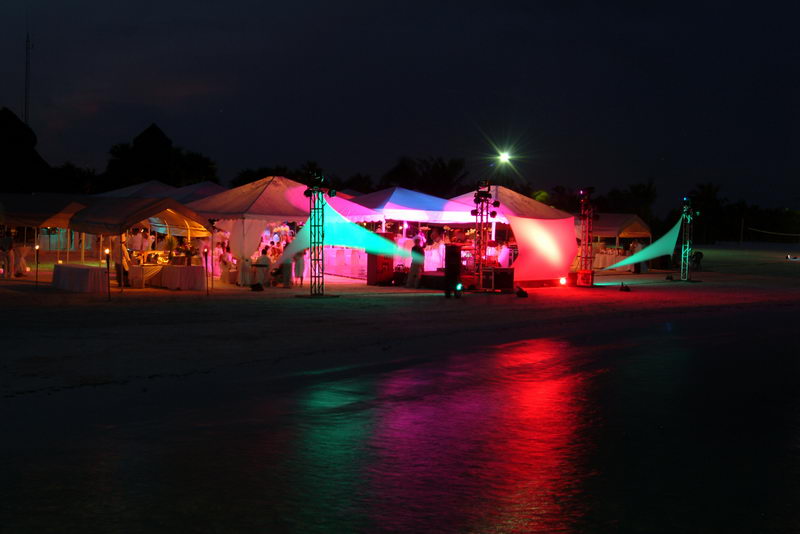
(505, 157)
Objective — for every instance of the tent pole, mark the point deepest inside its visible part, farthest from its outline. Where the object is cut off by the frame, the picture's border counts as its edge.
(58, 250)
(83, 246)
(69, 242)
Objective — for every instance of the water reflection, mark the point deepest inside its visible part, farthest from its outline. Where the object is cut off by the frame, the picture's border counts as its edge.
(480, 442)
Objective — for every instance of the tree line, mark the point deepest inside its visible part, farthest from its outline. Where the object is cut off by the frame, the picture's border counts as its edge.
(153, 155)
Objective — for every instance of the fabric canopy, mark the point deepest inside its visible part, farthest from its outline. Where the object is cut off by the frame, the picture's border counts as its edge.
(545, 235)
(513, 204)
(400, 204)
(41, 210)
(190, 193)
(149, 189)
(664, 246)
(546, 248)
(339, 231)
(273, 199)
(625, 225)
(116, 215)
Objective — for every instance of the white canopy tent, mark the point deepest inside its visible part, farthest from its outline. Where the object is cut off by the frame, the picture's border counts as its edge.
(246, 211)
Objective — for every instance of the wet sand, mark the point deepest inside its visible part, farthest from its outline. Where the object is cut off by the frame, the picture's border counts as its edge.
(56, 340)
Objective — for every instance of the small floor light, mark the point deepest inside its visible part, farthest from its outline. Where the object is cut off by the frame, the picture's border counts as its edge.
(562, 281)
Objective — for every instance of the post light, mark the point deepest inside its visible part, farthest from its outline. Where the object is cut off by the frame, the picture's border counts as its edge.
(36, 253)
(108, 272)
(205, 260)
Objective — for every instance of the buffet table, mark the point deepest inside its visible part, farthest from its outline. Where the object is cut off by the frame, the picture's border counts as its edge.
(183, 277)
(80, 278)
(187, 277)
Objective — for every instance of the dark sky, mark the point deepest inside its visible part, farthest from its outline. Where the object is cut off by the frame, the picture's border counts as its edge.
(602, 94)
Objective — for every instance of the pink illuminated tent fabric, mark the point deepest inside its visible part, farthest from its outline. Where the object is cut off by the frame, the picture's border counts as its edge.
(545, 235)
(400, 204)
(246, 211)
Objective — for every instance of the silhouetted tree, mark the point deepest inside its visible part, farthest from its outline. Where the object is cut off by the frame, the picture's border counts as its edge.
(636, 198)
(68, 178)
(565, 199)
(705, 199)
(435, 176)
(541, 196)
(22, 169)
(152, 156)
(359, 182)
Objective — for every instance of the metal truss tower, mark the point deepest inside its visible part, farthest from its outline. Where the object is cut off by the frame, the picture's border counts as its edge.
(586, 252)
(482, 213)
(316, 221)
(687, 218)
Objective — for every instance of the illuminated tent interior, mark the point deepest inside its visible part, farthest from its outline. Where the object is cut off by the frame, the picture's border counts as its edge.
(114, 216)
(246, 211)
(545, 236)
(400, 204)
(618, 226)
(663, 246)
(339, 231)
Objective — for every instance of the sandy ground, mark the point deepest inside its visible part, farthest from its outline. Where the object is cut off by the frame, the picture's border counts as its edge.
(56, 341)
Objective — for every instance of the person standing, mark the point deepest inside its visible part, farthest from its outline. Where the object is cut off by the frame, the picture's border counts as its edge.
(300, 266)
(417, 261)
(262, 266)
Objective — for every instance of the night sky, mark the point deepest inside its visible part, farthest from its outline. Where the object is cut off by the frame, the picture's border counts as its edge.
(589, 93)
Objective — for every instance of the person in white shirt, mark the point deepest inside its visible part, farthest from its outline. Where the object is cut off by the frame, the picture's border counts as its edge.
(262, 266)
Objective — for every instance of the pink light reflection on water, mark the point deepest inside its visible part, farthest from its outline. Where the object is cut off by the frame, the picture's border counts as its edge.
(482, 443)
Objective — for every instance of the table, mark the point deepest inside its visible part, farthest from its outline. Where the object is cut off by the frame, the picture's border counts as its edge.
(601, 261)
(147, 274)
(80, 278)
(183, 277)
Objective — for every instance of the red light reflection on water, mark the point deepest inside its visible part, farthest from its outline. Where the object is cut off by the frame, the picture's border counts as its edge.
(482, 442)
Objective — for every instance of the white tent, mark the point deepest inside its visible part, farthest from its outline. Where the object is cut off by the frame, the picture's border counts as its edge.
(149, 189)
(246, 211)
(114, 216)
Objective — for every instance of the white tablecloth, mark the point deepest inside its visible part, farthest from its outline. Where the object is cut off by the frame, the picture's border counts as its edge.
(80, 278)
(183, 277)
(601, 261)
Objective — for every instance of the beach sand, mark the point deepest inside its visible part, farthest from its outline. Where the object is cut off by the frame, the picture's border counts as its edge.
(56, 341)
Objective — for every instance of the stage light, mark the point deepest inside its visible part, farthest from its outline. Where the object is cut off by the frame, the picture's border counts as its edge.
(459, 286)
(496, 204)
(492, 214)
(332, 193)
(474, 213)
(307, 192)
(504, 157)
(562, 281)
